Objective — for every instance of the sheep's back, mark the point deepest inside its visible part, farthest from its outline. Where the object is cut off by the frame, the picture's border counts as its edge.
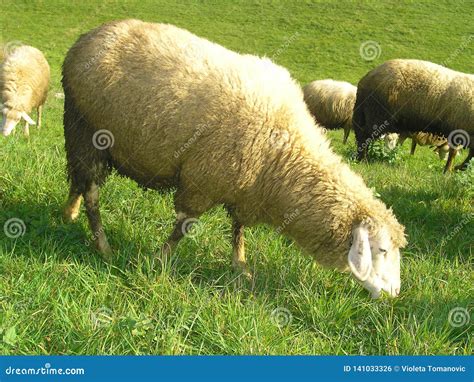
(24, 78)
(171, 99)
(330, 102)
(422, 93)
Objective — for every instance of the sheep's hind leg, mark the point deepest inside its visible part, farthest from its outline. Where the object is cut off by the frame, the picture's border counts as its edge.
(73, 205)
(413, 147)
(463, 165)
(239, 261)
(178, 233)
(91, 201)
(347, 130)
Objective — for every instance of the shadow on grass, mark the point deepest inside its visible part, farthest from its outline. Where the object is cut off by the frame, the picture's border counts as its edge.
(209, 262)
(439, 230)
(46, 237)
(41, 233)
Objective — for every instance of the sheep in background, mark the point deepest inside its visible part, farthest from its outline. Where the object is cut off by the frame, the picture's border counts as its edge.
(391, 140)
(331, 104)
(401, 96)
(172, 110)
(440, 144)
(24, 80)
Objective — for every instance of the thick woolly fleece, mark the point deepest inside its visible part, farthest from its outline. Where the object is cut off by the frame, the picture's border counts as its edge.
(331, 102)
(428, 139)
(412, 96)
(221, 127)
(24, 79)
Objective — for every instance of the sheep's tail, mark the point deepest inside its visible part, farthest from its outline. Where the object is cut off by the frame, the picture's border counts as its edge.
(86, 163)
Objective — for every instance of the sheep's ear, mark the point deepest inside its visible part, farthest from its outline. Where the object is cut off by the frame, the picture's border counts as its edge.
(27, 118)
(360, 256)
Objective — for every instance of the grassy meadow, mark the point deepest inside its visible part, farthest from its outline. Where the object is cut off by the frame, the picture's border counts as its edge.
(58, 297)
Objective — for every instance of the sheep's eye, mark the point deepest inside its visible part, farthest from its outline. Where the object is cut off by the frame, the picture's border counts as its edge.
(383, 251)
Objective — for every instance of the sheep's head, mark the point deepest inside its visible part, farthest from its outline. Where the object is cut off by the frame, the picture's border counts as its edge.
(391, 140)
(11, 118)
(375, 261)
(442, 151)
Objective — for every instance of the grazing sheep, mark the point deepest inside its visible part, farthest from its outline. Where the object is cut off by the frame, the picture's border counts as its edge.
(24, 79)
(331, 103)
(427, 139)
(402, 96)
(391, 140)
(169, 109)
(440, 144)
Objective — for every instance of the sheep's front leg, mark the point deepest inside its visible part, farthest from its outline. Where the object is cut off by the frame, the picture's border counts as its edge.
(91, 201)
(26, 130)
(450, 161)
(178, 233)
(39, 115)
(413, 147)
(239, 262)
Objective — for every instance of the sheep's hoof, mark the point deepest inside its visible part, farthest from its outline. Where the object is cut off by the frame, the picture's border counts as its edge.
(70, 214)
(460, 167)
(242, 269)
(165, 252)
(163, 255)
(105, 250)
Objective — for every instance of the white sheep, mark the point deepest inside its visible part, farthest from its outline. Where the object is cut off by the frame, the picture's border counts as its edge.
(172, 110)
(391, 140)
(331, 103)
(24, 80)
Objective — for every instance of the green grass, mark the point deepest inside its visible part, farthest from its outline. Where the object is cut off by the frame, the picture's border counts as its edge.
(58, 297)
